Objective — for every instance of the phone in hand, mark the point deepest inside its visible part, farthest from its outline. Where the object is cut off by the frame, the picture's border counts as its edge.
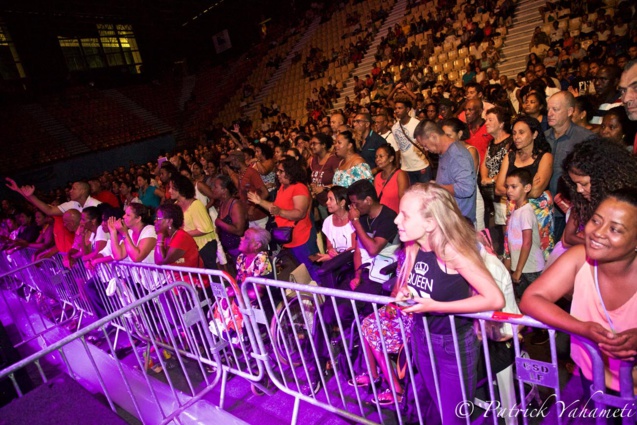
(407, 303)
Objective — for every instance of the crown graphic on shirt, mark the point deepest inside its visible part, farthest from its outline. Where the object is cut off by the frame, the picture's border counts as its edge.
(421, 268)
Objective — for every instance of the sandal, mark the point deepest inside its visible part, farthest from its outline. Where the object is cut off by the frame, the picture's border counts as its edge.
(363, 380)
(386, 398)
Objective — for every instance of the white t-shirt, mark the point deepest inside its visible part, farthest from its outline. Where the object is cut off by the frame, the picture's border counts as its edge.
(74, 205)
(340, 237)
(502, 278)
(521, 219)
(411, 159)
(147, 232)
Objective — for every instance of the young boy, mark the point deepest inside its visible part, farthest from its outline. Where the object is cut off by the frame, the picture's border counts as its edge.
(523, 235)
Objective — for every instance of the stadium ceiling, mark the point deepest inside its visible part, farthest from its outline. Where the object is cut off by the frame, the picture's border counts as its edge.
(171, 12)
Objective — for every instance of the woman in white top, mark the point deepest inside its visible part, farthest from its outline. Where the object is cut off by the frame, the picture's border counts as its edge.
(138, 237)
(338, 230)
(341, 240)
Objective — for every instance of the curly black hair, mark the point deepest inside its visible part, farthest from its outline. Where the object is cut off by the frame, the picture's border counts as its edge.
(294, 170)
(609, 167)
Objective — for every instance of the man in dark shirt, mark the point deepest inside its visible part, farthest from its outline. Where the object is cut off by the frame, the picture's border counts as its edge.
(370, 140)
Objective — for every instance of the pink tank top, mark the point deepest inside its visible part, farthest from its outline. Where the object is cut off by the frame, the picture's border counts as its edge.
(586, 306)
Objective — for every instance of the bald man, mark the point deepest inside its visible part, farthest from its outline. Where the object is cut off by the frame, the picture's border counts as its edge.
(562, 135)
(478, 135)
(628, 93)
(64, 227)
(79, 195)
(336, 121)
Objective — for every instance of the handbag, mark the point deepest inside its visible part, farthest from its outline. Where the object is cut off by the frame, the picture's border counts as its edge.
(282, 235)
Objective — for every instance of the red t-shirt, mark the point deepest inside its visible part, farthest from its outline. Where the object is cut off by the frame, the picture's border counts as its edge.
(285, 201)
(480, 139)
(108, 197)
(182, 240)
(63, 238)
(251, 182)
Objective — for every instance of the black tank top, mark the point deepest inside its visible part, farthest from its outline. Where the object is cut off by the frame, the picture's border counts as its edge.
(531, 168)
(428, 280)
(229, 241)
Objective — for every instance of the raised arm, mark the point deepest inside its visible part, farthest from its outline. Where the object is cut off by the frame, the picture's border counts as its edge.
(28, 193)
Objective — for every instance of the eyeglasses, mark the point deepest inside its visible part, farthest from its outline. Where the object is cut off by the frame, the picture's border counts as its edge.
(160, 218)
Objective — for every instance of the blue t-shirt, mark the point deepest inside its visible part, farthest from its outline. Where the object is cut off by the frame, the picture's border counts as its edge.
(455, 167)
(148, 197)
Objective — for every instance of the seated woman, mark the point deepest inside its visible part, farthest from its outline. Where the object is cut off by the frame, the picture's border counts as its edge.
(45, 239)
(618, 128)
(149, 195)
(602, 276)
(133, 237)
(253, 261)
(175, 247)
(126, 195)
(353, 166)
(292, 209)
(340, 236)
(133, 240)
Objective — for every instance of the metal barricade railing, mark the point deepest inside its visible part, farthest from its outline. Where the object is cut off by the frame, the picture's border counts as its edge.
(303, 326)
(159, 396)
(289, 334)
(33, 295)
(51, 278)
(622, 405)
(120, 283)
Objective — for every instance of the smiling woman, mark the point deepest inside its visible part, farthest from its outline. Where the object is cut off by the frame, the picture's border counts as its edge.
(602, 276)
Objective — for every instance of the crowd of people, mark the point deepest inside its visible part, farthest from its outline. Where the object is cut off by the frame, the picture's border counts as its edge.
(534, 174)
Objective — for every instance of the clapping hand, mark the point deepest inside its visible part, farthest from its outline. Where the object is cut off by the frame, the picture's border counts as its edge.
(254, 198)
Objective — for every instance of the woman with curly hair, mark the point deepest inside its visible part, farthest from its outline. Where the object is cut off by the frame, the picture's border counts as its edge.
(291, 208)
(592, 170)
(531, 151)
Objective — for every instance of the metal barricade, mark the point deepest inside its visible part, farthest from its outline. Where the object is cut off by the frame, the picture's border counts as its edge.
(294, 349)
(50, 277)
(179, 382)
(121, 283)
(625, 402)
(33, 295)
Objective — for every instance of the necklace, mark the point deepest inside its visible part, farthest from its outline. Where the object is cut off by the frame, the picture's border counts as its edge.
(341, 218)
(386, 174)
(369, 224)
